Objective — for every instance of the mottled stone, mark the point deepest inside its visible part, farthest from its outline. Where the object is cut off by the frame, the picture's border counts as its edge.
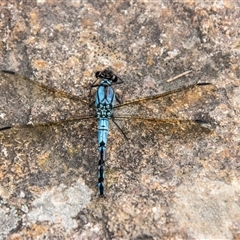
(173, 179)
(60, 205)
(207, 209)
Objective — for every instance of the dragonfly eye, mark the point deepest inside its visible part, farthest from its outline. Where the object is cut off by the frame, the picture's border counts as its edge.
(98, 74)
(107, 74)
(114, 78)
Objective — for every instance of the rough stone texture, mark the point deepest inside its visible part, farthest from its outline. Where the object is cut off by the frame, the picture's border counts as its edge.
(172, 180)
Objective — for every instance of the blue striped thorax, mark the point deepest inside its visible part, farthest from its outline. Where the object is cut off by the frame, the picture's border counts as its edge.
(105, 99)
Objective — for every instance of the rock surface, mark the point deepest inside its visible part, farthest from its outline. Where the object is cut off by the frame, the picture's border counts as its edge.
(172, 179)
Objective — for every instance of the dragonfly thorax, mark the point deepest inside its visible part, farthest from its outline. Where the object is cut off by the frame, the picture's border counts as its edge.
(106, 82)
(104, 110)
(105, 98)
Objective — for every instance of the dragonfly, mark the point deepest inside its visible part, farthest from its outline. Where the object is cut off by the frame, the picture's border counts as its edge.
(106, 106)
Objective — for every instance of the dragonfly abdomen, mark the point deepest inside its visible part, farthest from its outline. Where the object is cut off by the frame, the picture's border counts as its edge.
(103, 124)
(101, 169)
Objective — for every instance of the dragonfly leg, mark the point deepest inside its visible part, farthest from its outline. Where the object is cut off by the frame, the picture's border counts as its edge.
(125, 136)
(90, 94)
(91, 104)
(118, 98)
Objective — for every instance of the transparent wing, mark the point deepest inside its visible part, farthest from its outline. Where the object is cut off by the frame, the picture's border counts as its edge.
(151, 127)
(182, 112)
(188, 103)
(21, 97)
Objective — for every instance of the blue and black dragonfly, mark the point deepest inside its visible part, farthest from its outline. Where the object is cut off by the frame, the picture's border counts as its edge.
(101, 108)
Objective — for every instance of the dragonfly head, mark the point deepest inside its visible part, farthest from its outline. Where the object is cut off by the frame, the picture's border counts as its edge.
(107, 74)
